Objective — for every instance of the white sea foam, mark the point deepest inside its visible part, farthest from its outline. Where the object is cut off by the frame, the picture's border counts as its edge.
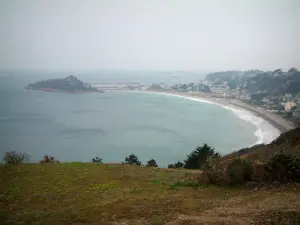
(265, 132)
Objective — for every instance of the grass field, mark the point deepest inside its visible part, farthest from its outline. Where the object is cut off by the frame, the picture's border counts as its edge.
(86, 193)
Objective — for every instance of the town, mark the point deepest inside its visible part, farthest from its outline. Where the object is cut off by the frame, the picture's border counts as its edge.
(276, 91)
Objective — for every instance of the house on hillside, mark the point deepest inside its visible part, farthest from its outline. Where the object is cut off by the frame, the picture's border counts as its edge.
(289, 105)
(220, 89)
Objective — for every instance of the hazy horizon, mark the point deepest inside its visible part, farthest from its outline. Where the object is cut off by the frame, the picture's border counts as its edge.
(136, 35)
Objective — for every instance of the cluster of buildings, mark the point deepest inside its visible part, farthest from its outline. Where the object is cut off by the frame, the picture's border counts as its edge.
(287, 106)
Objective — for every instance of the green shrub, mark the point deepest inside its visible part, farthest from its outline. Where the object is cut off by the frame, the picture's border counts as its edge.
(213, 172)
(239, 172)
(152, 163)
(97, 160)
(283, 168)
(49, 159)
(176, 165)
(14, 157)
(197, 158)
(132, 160)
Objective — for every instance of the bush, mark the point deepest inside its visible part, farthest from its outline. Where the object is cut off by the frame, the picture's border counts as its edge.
(197, 158)
(283, 168)
(49, 159)
(97, 160)
(13, 157)
(239, 172)
(259, 170)
(132, 160)
(152, 163)
(213, 172)
(176, 165)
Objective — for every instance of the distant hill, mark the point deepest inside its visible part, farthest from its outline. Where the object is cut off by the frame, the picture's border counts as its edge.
(288, 142)
(219, 77)
(70, 83)
(233, 78)
(274, 82)
(155, 87)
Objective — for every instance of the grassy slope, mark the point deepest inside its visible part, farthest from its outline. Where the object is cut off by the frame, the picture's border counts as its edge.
(288, 142)
(86, 193)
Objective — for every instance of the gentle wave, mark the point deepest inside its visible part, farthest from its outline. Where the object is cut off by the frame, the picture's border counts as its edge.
(265, 132)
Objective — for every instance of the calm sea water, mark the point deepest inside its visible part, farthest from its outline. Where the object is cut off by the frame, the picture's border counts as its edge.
(112, 125)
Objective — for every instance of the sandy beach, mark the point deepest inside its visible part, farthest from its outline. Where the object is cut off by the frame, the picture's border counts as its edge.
(275, 120)
(269, 125)
(273, 125)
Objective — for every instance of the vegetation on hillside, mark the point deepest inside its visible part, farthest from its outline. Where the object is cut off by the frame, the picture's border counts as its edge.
(95, 193)
(197, 158)
(152, 163)
(13, 157)
(274, 82)
(97, 160)
(176, 165)
(288, 142)
(70, 83)
(88, 193)
(132, 160)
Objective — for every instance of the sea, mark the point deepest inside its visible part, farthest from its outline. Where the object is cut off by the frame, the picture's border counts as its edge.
(115, 124)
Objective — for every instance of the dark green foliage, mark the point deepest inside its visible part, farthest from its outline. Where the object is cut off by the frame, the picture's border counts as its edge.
(176, 165)
(222, 76)
(257, 97)
(132, 160)
(70, 83)
(14, 157)
(97, 160)
(293, 70)
(213, 171)
(155, 87)
(284, 168)
(197, 158)
(271, 83)
(152, 163)
(239, 172)
(49, 159)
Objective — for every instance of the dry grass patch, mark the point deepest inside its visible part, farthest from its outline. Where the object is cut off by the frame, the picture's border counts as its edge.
(86, 193)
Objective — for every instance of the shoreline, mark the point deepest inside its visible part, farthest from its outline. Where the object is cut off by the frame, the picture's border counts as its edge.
(269, 125)
(276, 121)
(68, 91)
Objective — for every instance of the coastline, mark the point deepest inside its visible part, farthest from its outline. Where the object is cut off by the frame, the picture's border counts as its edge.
(269, 125)
(57, 90)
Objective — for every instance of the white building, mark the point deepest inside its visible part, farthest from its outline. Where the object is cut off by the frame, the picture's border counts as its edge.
(219, 89)
(289, 105)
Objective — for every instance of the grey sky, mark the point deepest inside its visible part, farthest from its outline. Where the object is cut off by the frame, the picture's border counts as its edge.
(153, 34)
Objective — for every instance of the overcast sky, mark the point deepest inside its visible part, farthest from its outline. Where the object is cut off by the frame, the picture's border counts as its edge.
(154, 34)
